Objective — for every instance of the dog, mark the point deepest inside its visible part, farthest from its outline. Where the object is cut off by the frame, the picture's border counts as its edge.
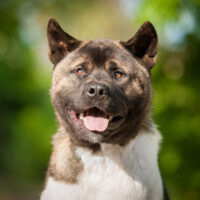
(106, 146)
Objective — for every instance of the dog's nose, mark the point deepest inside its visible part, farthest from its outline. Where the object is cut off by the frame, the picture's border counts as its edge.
(96, 90)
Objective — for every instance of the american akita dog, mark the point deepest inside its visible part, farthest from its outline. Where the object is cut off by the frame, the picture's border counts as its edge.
(106, 146)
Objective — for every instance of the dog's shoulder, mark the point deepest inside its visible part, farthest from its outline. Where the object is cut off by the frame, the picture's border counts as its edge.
(64, 165)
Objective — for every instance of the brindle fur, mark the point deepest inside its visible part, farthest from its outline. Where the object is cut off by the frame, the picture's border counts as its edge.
(64, 164)
(130, 96)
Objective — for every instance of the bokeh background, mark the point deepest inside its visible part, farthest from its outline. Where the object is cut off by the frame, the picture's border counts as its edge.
(27, 119)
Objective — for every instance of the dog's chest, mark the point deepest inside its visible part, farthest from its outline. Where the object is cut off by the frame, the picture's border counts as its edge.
(129, 173)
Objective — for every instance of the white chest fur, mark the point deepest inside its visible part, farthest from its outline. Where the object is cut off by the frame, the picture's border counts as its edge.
(118, 173)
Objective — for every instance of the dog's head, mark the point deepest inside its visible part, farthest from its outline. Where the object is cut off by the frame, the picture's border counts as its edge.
(101, 89)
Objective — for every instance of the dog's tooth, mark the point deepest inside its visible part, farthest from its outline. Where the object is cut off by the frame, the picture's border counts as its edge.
(110, 118)
(81, 115)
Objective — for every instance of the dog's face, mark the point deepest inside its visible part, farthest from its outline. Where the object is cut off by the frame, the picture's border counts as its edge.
(101, 89)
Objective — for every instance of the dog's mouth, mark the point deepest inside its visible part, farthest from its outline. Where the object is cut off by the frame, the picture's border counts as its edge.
(94, 119)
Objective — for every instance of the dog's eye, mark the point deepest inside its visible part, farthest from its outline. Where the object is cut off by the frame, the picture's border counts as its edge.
(118, 74)
(80, 71)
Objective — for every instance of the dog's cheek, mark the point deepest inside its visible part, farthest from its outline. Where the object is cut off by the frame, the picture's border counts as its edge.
(138, 92)
(63, 92)
(134, 89)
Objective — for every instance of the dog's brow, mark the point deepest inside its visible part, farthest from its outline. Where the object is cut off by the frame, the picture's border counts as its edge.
(98, 51)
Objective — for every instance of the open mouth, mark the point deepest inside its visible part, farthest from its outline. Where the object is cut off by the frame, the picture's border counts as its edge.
(94, 119)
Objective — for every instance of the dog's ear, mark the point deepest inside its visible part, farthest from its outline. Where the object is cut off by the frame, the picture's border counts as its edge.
(143, 44)
(60, 43)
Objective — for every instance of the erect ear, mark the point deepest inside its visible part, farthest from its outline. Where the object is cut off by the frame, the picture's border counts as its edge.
(143, 44)
(60, 43)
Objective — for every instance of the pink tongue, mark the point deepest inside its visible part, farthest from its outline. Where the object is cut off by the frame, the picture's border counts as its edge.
(96, 120)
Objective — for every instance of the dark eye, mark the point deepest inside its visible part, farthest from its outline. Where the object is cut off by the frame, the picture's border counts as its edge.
(80, 71)
(118, 74)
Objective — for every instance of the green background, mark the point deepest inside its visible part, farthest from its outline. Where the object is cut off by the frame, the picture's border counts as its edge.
(27, 120)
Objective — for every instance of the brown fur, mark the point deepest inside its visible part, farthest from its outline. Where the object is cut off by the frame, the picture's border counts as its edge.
(129, 97)
(64, 164)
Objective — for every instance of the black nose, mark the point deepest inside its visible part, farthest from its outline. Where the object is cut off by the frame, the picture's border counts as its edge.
(96, 90)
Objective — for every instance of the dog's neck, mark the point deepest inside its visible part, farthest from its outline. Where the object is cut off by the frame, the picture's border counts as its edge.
(73, 166)
(66, 161)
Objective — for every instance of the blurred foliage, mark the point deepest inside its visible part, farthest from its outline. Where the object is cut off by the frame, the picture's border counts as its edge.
(27, 120)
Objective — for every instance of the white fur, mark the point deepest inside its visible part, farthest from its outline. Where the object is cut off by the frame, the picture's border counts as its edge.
(118, 173)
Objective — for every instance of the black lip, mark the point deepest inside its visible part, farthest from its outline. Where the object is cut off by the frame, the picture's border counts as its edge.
(113, 125)
(108, 112)
(74, 116)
